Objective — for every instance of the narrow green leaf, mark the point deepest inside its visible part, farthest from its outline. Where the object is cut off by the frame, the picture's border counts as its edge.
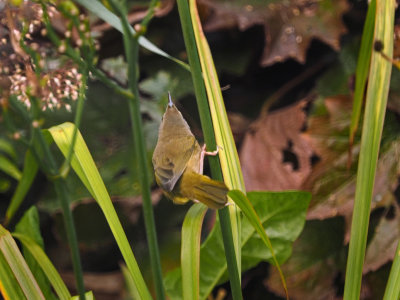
(190, 253)
(84, 166)
(229, 159)
(44, 262)
(248, 210)
(202, 76)
(8, 167)
(20, 269)
(28, 175)
(228, 155)
(363, 63)
(392, 290)
(29, 226)
(103, 13)
(88, 295)
(376, 100)
(130, 284)
(9, 287)
(5, 185)
(7, 148)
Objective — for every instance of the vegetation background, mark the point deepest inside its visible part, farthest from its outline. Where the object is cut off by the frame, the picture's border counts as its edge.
(287, 69)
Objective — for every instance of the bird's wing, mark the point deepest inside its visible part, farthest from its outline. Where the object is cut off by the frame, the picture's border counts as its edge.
(170, 160)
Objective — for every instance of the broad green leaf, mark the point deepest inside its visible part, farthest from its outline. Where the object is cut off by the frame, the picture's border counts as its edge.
(243, 202)
(20, 269)
(28, 175)
(8, 167)
(30, 227)
(85, 168)
(103, 13)
(282, 214)
(313, 265)
(190, 253)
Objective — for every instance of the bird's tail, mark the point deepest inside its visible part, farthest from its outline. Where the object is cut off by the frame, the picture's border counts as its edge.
(204, 189)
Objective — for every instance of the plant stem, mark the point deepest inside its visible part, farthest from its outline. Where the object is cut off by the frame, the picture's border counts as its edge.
(230, 254)
(209, 138)
(62, 193)
(131, 45)
(149, 15)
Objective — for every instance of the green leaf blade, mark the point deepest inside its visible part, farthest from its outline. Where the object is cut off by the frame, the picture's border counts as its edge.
(363, 64)
(84, 166)
(29, 227)
(8, 167)
(17, 264)
(28, 175)
(376, 101)
(190, 253)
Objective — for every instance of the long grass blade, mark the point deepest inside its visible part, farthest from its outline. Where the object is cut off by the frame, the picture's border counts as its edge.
(20, 269)
(9, 287)
(392, 290)
(363, 63)
(230, 235)
(84, 166)
(46, 265)
(190, 254)
(7, 148)
(29, 225)
(8, 167)
(230, 164)
(28, 175)
(376, 100)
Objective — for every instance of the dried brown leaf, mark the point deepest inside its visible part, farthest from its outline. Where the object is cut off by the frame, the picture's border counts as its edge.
(382, 247)
(262, 153)
(331, 183)
(289, 26)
